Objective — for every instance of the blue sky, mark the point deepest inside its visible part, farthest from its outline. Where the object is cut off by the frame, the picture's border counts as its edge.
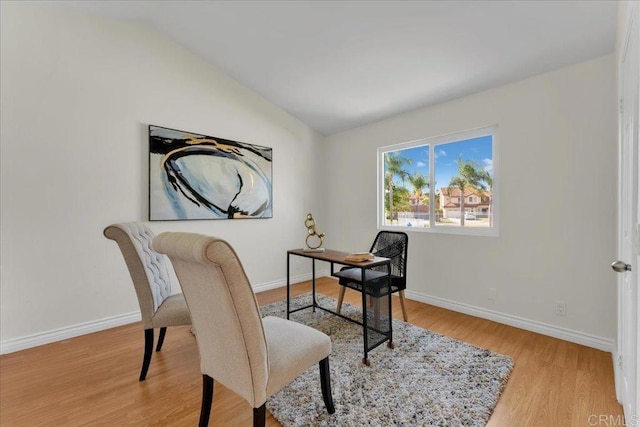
(476, 149)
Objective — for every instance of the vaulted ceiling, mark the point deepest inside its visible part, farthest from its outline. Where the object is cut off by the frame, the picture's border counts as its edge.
(336, 65)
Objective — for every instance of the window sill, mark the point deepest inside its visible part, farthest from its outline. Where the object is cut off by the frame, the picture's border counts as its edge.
(440, 229)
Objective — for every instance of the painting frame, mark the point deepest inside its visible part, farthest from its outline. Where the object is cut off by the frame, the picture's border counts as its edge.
(193, 176)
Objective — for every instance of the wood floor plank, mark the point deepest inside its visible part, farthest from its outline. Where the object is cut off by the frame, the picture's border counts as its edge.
(93, 379)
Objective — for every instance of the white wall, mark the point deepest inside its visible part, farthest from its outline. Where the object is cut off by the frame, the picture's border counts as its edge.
(77, 94)
(557, 187)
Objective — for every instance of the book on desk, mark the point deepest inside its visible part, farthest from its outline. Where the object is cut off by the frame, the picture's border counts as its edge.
(359, 257)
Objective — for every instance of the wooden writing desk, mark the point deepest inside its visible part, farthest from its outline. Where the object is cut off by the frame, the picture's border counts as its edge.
(381, 329)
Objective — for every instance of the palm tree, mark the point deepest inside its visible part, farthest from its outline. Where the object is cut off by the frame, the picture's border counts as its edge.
(418, 182)
(470, 175)
(394, 167)
(488, 179)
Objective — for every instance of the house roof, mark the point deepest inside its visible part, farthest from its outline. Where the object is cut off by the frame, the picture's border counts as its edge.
(455, 192)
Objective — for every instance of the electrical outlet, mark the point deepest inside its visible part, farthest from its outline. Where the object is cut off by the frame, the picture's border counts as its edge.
(561, 308)
(493, 295)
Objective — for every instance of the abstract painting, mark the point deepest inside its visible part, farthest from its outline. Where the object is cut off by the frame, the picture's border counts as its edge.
(193, 176)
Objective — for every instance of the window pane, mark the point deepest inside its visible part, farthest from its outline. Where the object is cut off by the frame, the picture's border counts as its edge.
(406, 187)
(442, 184)
(464, 179)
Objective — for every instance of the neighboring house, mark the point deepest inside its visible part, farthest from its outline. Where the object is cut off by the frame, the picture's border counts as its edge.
(417, 215)
(417, 210)
(424, 202)
(474, 201)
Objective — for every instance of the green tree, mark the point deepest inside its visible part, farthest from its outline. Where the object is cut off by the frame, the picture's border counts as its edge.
(470, 175)
(394, 167)
(400, 199)
(488, 179)
(418, 182)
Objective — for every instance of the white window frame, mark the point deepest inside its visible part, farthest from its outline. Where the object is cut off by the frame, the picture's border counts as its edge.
(431, 142)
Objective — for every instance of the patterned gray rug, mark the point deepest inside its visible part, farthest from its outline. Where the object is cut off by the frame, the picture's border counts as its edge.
(427, 380)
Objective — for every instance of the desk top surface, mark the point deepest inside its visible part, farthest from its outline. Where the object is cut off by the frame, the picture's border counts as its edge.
(331, 255)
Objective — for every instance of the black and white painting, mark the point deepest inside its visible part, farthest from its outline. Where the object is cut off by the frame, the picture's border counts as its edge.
(193, 176)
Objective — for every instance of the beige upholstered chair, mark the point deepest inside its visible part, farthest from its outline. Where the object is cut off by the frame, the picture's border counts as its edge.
(251, 356)
(151, 279)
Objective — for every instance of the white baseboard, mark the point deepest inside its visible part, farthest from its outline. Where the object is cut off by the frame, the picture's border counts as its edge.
(604, 344)
(600, 343)
(22, 343)
(283, 282)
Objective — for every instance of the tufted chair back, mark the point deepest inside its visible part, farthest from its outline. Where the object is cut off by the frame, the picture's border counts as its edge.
(148, 269)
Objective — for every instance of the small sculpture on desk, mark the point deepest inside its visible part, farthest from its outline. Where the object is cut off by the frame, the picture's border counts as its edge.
(310, 223)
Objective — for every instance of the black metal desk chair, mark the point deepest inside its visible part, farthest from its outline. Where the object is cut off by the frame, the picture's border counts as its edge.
(387, 244)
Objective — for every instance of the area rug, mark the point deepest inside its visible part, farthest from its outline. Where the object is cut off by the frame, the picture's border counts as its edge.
(427, 380)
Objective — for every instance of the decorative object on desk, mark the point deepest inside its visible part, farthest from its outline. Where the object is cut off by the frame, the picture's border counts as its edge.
(193, 176)
(310, 223)
(429, 379)
(359, 257)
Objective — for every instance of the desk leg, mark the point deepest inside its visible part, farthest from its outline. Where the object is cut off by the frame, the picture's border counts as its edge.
(390, 343)
(365, 332)
(288, 286)
(313, 283)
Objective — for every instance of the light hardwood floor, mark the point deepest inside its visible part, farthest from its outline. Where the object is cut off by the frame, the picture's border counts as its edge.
(93, 379)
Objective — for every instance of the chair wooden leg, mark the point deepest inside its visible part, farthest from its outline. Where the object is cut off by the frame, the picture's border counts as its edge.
(325, 384)
(340, 298)
(207, 400)
(259, 416)
(404, 309)
(148, 350)
(163, 332)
